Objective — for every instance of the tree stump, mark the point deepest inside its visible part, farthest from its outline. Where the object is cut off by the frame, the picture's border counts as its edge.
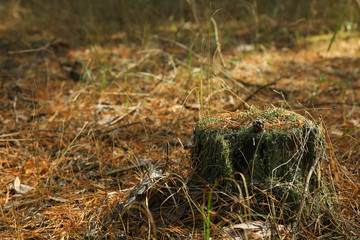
(273, 149)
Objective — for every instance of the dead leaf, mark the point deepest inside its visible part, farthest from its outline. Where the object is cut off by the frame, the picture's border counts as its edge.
(192, 106)
(20, 188)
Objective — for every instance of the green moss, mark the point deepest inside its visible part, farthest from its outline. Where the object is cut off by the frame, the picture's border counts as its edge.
(278, 157)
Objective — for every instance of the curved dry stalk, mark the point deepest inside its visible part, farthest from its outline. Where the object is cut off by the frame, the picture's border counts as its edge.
(218, 44)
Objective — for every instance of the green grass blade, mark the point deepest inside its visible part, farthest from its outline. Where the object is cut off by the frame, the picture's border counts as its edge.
(341, 19)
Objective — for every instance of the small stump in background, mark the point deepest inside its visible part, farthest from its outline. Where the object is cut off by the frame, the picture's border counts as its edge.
(273, 149)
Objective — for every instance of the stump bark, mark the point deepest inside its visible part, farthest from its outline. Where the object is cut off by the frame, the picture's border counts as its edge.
(273, 148)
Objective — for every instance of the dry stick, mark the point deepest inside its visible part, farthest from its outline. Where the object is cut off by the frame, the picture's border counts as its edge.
(40, 49)
(15, 113)
(335, 103)
(303, 198)
(244, 84)
(247, 84)
(258, 90)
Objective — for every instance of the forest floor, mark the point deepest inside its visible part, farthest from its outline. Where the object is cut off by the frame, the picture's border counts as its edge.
(82, 126)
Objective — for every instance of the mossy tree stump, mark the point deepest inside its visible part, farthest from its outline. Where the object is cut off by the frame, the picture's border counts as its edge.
(273, 148)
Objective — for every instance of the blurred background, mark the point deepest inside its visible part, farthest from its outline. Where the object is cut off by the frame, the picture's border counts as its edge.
(280, 22)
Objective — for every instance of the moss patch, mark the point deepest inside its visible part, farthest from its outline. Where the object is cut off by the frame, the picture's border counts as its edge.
(275, 157)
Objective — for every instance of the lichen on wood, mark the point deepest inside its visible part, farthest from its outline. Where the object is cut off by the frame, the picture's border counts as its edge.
(273, 148)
